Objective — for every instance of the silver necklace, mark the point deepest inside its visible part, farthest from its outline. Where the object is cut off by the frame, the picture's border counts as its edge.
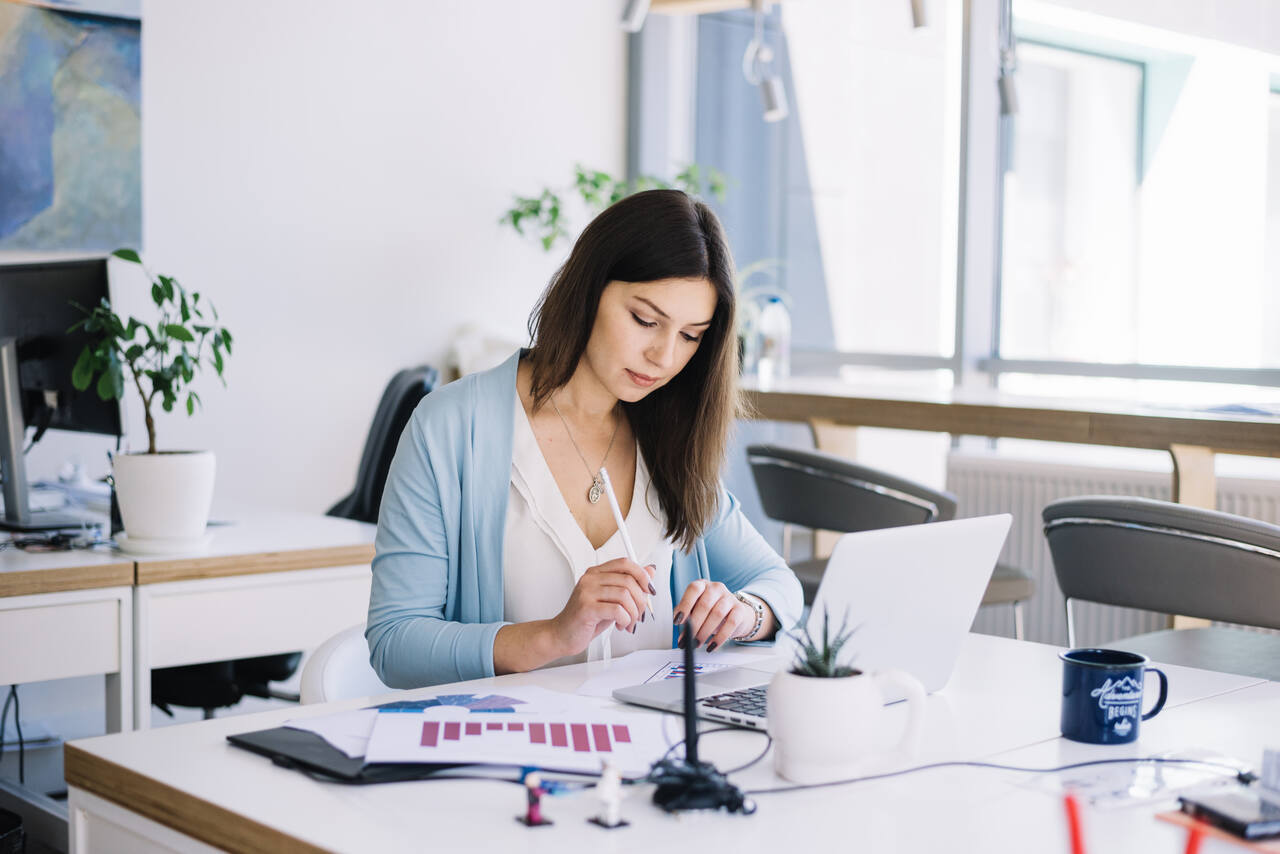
(597, 483)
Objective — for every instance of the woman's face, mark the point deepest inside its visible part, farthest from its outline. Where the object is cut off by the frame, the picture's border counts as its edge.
(646, 332)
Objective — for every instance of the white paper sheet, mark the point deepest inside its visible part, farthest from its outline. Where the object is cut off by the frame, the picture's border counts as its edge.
(571, 741)
(350, 731)
(650, 665)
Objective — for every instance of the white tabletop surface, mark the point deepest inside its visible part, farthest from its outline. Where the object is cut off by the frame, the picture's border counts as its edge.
(13, 559)
(1003, 700)
(256, 531)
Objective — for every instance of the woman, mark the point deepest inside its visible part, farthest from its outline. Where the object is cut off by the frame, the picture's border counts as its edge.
(495, 553)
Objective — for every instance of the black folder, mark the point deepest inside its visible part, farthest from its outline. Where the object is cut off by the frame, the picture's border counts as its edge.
(312, 755)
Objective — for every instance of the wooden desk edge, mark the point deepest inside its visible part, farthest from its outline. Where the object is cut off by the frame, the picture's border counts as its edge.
(172, 807)
(29, 582)
(221, 566)
(1157, 431)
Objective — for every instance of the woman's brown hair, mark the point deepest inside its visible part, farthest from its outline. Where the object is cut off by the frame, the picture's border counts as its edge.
(683, 427)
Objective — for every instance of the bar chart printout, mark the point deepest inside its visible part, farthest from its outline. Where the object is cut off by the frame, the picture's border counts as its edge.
(569, 744)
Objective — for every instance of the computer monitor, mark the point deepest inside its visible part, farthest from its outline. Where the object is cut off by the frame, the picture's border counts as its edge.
(37, 355)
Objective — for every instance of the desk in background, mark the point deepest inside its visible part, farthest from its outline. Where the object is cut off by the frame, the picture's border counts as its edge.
(270, 582)
(1190, 437)
(62, 615)
(65, 614)
(185, 788)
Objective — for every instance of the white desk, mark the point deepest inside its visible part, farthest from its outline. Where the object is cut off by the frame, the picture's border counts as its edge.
(167, 788)
(65, 614)
(271, 582)
(1238, 724)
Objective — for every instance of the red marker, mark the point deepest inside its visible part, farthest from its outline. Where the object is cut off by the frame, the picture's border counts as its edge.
(1073, 823)
(1194, 835)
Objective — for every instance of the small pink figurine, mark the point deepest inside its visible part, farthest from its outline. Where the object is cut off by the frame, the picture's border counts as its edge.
(534, 792)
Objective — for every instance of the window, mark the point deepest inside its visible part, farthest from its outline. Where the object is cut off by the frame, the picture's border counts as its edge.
(1069, 286)
(1136, 211)
(1135, 220)
(854, 196)
(1271, 307)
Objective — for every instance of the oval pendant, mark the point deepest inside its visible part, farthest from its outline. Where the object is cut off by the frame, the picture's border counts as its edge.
(593, 495)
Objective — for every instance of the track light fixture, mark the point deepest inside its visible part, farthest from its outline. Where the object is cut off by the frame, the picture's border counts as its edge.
(919, 16)
(633, 15)
(1008, 61)
(755, 61)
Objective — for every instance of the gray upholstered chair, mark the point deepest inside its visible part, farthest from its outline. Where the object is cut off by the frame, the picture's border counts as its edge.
(1174, 559)
(823, 491)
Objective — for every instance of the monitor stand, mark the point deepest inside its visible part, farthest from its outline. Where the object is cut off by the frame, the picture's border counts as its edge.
(13, 470)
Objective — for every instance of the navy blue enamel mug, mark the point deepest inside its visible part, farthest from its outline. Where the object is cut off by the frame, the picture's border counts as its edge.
(1102, 695)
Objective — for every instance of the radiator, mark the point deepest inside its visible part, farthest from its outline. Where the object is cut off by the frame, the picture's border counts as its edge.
(986, 483)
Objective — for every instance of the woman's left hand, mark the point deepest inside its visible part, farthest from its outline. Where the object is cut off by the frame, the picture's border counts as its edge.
(712, 615)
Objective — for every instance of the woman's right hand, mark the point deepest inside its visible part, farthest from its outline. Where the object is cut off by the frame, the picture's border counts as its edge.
(612, 593)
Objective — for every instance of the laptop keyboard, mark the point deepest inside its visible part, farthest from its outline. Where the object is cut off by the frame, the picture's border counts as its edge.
(749, 702)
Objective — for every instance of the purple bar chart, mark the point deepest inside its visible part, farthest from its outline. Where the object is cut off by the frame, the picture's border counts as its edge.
(577, 737)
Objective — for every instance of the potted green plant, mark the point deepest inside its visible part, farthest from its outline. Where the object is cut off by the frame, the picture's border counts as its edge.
(164, 496)
(543, 216)
(826, 716)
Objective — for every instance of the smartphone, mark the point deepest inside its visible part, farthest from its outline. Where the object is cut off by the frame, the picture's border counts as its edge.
(1241, 812)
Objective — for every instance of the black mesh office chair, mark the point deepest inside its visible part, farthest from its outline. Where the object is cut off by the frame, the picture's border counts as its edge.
(1173, 559)
(823, 491)
(218, 684)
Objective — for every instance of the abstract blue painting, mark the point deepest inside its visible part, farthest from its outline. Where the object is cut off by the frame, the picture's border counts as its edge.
(70, 130)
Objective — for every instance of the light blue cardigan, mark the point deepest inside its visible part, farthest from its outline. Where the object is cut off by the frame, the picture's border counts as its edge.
(436, 603)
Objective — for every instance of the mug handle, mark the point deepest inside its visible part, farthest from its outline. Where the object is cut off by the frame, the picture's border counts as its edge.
(1164, 693)
(914, 693)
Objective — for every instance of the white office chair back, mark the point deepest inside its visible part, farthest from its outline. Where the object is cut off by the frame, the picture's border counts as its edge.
(339, 669)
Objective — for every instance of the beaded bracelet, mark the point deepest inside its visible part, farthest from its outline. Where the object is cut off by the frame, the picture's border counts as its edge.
(758, 607)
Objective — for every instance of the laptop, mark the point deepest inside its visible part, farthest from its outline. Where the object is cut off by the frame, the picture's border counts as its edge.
(912, 593)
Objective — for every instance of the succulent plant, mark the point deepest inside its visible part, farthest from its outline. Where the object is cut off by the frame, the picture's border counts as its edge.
(822, 660)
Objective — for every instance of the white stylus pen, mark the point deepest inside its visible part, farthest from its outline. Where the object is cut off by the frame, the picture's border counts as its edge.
(622, 529)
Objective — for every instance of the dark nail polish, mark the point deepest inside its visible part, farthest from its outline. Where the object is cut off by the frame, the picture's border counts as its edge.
(642, 616)
(711, 647)
(680, 643)
(653, 591)
(679, 618)
(696, 643)
(633, 628)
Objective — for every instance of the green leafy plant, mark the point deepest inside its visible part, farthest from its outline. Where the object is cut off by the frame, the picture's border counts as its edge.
(542, 216)
(162, 360)
(821, 660)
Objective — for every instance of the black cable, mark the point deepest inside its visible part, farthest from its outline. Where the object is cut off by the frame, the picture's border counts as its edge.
(12, 699)
(4, 716)
(768, 745)
(22, 745)
(1243, 776)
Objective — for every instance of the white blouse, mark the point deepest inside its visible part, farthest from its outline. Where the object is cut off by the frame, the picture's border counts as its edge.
(545, 552)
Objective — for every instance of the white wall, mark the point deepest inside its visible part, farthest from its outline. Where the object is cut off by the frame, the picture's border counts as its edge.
(331, 174)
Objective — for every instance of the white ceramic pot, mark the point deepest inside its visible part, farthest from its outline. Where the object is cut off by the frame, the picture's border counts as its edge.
(164, 498)
(823, 729)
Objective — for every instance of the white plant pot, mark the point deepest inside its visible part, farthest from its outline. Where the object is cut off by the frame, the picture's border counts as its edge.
(164, 499)
(823, 729)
